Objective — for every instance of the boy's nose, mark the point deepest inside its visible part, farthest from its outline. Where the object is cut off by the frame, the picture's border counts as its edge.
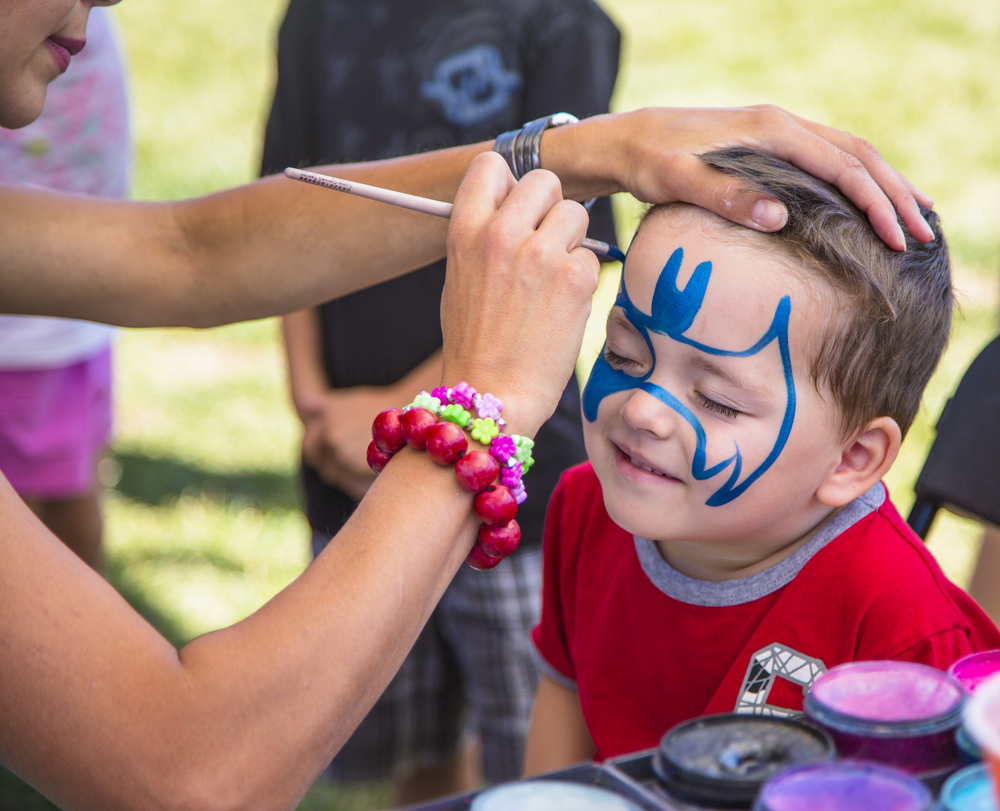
(645, 413)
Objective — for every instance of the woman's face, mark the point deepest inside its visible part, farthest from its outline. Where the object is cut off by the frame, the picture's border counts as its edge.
(37, 39)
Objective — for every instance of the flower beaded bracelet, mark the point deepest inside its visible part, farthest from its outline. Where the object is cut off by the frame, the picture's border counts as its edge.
(419, 426)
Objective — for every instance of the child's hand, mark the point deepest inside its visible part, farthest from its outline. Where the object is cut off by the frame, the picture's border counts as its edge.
(518, 289)
(336, 437)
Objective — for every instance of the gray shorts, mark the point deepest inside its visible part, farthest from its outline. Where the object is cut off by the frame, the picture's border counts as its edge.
(472, 665)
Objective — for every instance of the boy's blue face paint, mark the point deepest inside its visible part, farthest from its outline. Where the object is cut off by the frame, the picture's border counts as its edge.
(673, 314)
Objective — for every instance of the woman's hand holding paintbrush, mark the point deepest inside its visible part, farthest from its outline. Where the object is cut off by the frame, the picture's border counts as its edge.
(524, 240)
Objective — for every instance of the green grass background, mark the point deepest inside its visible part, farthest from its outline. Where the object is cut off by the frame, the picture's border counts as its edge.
(204, 524)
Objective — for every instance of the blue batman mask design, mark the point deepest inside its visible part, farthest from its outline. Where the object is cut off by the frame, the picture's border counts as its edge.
(673, 313)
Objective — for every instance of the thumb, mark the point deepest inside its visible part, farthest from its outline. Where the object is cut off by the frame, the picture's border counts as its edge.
(718, 192)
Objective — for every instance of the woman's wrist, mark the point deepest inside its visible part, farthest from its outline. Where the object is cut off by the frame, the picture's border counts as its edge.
(523, 413)
(443, 422)
(590, 158)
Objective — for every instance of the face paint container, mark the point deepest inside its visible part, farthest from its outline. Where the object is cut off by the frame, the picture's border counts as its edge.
(843, 786)
(969, 790)
(721, 761)
(968, 749)
(975, 668)
(898, 713)
(982, 720)
(546, 795)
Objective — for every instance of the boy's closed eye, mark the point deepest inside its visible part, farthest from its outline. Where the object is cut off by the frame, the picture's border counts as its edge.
(625, 348)
(727, 392)
(627, 365)
(717, 407)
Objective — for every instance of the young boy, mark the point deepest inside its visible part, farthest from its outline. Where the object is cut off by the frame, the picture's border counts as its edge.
(730, 537)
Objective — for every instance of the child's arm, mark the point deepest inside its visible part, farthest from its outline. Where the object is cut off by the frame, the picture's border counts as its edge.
(338, 422)
(558, 735)
(306, 378)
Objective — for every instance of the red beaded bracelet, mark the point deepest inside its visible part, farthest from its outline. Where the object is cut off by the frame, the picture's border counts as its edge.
(476, 471)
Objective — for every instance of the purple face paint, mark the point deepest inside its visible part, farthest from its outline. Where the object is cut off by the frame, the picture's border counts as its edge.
(899, 713)
(843, 786)
(969, 790)
(975, 668)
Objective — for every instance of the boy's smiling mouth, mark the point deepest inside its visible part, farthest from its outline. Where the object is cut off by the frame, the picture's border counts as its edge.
(626, 459)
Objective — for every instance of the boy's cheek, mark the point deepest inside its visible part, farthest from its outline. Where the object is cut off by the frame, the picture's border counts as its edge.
(594, 439)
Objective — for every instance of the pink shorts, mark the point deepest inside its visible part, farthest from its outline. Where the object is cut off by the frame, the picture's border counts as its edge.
(53, 425)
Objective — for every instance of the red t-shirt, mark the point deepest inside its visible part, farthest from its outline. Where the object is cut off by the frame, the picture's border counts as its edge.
(643, 660)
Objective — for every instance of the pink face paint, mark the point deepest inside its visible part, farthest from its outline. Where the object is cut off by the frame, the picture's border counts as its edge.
(975, 668)
(898, 713)
(887, 691)
(843, 786)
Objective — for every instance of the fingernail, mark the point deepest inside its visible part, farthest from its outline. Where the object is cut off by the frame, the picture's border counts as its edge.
(769, 215)
(900, 238)
(930, 230)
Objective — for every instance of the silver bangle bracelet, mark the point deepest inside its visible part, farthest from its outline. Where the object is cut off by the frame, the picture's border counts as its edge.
(520, 147)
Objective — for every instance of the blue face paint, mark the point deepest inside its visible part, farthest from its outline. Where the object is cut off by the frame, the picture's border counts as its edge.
(674, 311)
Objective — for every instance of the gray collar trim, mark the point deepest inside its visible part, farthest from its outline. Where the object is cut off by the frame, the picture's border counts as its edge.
(747, 589)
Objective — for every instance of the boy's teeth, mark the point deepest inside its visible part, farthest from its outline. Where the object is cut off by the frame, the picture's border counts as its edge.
(647, 468)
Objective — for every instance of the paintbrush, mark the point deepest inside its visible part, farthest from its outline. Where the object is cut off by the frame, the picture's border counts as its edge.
(422, 204)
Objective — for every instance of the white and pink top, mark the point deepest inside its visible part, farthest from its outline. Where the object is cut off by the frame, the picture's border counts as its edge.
(81, 143)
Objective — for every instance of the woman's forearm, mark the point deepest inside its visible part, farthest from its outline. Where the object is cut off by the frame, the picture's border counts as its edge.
(243, 717)
(364, 601)
(263, 249)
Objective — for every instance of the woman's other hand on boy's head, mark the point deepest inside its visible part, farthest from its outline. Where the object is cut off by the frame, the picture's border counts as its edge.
(654, 155)
(518, 289)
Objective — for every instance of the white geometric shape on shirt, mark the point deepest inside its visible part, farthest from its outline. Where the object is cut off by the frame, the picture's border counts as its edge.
(768, 664)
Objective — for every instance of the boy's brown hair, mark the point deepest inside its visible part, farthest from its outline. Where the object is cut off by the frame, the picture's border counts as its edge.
(879, 351)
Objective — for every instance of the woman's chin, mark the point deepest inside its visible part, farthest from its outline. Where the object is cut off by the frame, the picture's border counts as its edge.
(18, 109)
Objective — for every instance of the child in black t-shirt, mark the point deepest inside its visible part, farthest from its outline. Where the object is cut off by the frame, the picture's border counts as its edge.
(362, 81)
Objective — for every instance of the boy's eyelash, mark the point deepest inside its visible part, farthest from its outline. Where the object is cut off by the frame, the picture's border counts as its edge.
(617, 360)
(718, 408)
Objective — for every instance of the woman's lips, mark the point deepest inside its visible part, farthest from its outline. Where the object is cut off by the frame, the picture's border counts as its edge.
(71, 44)
(63, 48)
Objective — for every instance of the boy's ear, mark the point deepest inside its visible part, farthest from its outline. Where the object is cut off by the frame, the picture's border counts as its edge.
(863, 461)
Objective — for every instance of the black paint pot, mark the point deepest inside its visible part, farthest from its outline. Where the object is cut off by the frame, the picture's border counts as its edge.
(721, 761)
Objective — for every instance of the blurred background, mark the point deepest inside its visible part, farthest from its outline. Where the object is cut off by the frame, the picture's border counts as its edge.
(203, 522)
